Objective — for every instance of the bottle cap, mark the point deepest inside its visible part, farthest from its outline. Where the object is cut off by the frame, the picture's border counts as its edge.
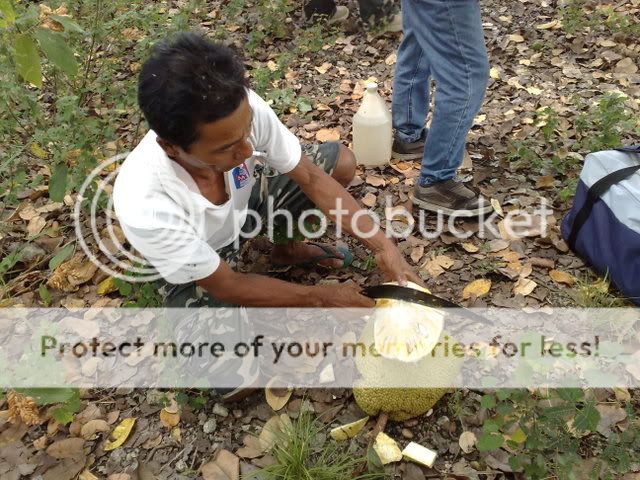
(371, 86)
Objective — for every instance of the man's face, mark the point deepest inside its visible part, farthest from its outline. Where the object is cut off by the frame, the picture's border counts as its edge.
(223, 144)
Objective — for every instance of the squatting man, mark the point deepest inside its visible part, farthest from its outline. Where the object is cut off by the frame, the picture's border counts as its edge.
(214, 151)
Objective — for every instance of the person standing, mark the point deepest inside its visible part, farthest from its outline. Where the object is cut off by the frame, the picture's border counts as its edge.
(443, 40)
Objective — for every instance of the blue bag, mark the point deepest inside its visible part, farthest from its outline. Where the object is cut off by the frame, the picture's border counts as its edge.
(603, 225)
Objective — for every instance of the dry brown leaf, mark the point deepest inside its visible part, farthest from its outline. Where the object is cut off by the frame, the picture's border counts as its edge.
(391, 59)
(53, 427)
(324, 68)
(524, 286)
(467, 441)
(91, 412)
(416, 253)
(470, 247)
(545, 181)
(91, 428)
(112, 417)
(478, 288)
(328, 135)
(369, 200)
(552, 25)
(40, 443)
(610, 415)
(252, 447)
(50, 207)
(627, 66)
(169, 420)
(375, 181)
(152, 442)
(87, 475)
(526, 270)
(622, 394)
(507, 255)
(27, 211)
(273, 430)
(66, 448)
(35, 225)
(65, 469)
(559, 276)
(606, 43)
(277, 398)
(224, 466)
(13, 434)
(496, 206)
(497, 245)
(516, 38)
(72, 273)
(512, 270)
(504, 234)
(437, 265)
(119, 476)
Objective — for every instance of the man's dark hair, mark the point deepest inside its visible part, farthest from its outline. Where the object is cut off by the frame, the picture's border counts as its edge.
(188, 81)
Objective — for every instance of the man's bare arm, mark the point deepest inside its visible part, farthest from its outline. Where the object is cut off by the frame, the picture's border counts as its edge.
(251, 290)
(324, 190)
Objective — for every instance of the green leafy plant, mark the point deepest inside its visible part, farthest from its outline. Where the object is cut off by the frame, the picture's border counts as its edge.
(67, 401)
(545, 432)
(594, 293)
(64, 95)
(604, 123)
(580, 15)
(138, 294)
(272, 24)
(302, 452)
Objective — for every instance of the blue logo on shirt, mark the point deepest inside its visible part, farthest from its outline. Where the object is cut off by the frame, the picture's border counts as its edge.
(241, 175)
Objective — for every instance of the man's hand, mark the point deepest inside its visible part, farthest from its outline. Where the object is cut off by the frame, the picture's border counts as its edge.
(395, 267)
(342, 295)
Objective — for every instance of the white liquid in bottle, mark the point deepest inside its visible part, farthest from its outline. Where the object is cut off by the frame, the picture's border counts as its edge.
(372, 137)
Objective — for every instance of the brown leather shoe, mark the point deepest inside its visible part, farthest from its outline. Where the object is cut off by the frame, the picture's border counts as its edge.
(450, 198)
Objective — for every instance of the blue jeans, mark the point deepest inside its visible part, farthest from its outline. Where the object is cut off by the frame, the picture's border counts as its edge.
(443, 40)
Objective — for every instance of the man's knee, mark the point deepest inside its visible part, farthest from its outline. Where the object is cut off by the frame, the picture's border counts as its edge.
(345, 168)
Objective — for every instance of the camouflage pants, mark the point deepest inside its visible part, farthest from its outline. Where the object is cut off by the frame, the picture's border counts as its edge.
(286, 196)
(373, 13)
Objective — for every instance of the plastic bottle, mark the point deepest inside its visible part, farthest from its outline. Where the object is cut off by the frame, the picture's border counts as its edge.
(372, 136)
